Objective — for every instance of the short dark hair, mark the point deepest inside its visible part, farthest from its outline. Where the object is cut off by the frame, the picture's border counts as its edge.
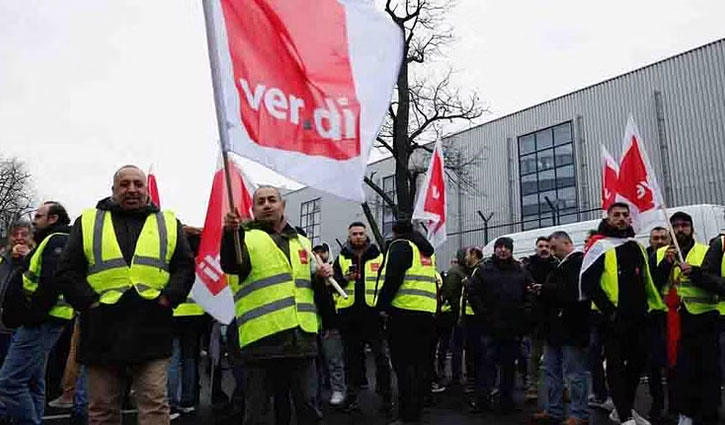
(56, 209)
(560, 234)
(356, 224)
(541, 238)
(681, 216)
(321, 248)
(402, 227)
(657, 229)
(617, 205)
(474, 250)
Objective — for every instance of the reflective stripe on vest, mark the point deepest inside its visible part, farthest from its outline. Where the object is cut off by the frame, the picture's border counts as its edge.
(188, 308)
(418, 291)
(109, 274)
(372, 267)
(61, 309)
(695, 299)
(277, 295)
(610, 282)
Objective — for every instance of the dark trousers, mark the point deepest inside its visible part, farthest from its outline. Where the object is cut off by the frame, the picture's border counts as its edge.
(295, 378)
(656, 359)
(501, 354)
(626, 351)
(450, 338)
(410, 338)
(472, 343)
(356, 331)
(596, 358)
(698, 370)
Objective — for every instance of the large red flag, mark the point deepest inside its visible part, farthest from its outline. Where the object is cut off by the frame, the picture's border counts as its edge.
(431, 204)
(153, 189)
(210, 289)
(610, 172)
(306, 85)
(637, 183)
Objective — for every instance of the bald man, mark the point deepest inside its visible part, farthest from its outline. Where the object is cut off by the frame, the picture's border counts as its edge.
(125, 267)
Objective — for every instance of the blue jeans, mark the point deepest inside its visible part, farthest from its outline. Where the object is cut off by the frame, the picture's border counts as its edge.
(183, 372)
(570, 364)
(80, 399)
(22, 376)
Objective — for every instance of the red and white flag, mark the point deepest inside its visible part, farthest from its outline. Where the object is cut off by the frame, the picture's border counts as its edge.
(306, 85)
(637, 183)
(210, 289)
(610, 173)
(430, 206)
(153, 188)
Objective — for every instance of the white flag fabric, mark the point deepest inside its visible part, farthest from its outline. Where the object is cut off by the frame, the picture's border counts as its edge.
(592, 254)
(306, 85)
(430, 206)
(610, 175)
(637, 184)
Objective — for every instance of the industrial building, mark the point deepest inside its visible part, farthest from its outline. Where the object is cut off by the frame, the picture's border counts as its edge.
(541, 166)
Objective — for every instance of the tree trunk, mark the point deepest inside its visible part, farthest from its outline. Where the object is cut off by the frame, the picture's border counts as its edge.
(401, 144)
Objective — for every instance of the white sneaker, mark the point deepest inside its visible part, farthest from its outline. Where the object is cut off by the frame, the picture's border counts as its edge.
(684, 420)
(337, 398)
(614, 416)
(629, 422)
(608, 405)
(639, 419)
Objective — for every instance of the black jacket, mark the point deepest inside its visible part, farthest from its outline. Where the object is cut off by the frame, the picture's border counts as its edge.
(360, 309)
(134, 330)
(631, 263)
(9, 266)
(452, 288)
(539, 269)
(712, 279)
(400, 259)
(498, 293)
(292, 343)
(565, 318)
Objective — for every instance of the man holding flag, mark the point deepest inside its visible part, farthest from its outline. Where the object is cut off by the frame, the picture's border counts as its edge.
(616, 276)
(276, 298)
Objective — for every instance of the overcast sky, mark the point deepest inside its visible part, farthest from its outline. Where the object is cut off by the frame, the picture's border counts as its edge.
(89, 85)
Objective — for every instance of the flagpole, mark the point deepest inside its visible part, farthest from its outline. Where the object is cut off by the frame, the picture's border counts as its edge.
(222, 122)
(672, 232)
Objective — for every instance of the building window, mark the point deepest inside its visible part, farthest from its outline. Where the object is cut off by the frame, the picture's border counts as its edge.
(388, 216)
(546, 170)
(310, 218)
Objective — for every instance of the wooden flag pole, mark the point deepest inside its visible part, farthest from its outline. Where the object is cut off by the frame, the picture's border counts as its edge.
(222, 122)
(330, 280)
(672, 233)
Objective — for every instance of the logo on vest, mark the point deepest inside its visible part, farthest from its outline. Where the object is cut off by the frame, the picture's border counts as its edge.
(426, 261)
(303, 256)
(375, 267)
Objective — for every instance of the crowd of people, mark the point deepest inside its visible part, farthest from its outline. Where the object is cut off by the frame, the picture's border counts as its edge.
(100, 309)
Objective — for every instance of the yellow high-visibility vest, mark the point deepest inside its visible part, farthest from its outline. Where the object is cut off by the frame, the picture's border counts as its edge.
(372, 267)
(109, 274)
(695, 299)
(610, 282)
(277, 295)
(61, 309)
(418, 291)
(188, 308)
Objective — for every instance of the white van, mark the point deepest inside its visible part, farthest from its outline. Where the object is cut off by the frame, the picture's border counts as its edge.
(708, 220)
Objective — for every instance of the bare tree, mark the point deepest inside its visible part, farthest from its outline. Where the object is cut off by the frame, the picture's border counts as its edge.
(424, 100)
(16, 192)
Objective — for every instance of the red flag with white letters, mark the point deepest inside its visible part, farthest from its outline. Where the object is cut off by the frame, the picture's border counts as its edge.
(610, 173)
(307, 85)
(637, 184)
(431, 204)
(210, 289)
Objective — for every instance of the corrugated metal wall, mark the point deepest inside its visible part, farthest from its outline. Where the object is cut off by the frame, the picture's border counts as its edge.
(692, 93)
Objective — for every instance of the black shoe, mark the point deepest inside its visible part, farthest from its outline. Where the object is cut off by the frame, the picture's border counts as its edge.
(77, 419)
(507, 407)
(352, 407)
(479, 406)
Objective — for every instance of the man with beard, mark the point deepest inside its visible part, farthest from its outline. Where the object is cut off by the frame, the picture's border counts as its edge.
(126, 266)
(616, 276)
(276, 304)
(408, 298)
(539, 266)
(43, 315)
(697, 385)
(357, 268)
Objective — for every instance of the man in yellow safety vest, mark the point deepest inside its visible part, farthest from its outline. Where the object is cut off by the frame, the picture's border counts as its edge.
(276, 305)
(125, 267)
(41, 313)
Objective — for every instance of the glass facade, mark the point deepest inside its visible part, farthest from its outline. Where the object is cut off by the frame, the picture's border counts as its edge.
(546, 171)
